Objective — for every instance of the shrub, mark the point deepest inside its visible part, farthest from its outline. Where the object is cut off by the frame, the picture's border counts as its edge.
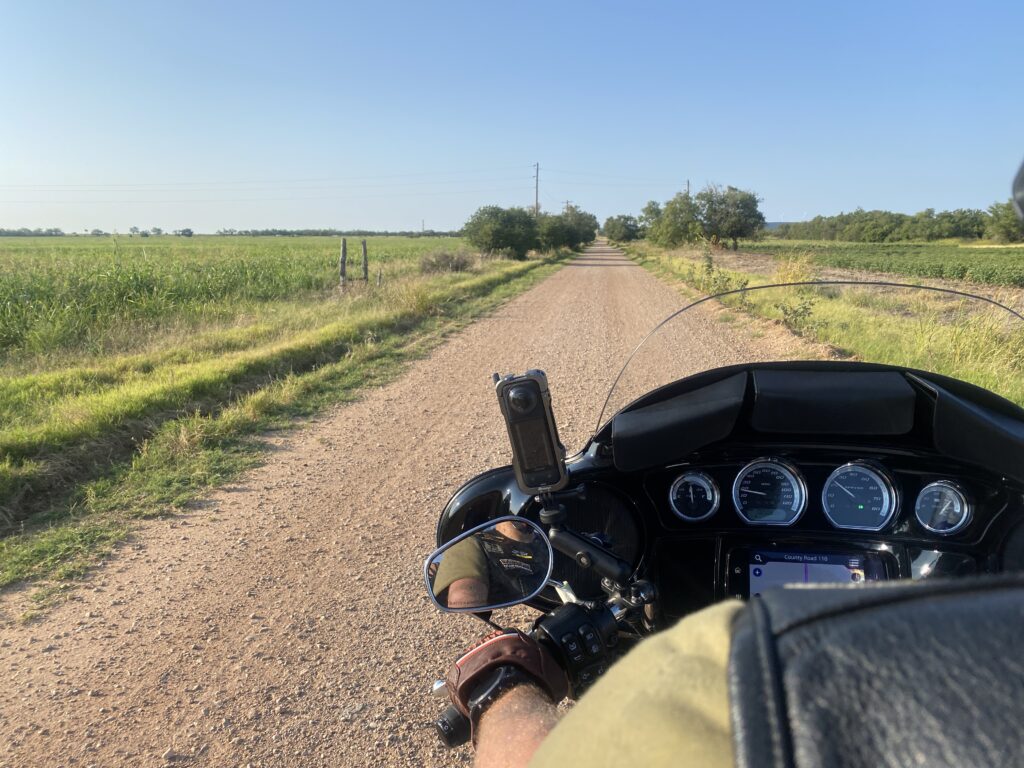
(446, 261)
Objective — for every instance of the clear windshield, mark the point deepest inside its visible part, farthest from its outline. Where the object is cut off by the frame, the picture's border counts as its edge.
(973, 338)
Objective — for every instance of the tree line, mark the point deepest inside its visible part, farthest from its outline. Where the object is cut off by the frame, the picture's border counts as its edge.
(514, 232)
(716, 214)
(999, 223)
(26, 232)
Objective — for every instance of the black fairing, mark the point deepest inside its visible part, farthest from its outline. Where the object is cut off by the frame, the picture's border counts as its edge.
(824, 400)
(485, 497)
(881, 676)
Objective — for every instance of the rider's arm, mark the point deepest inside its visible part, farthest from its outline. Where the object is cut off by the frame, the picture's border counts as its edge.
(513, 727)
(666, 703)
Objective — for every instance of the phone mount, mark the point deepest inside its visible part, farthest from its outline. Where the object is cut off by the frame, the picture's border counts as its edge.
(586, 553)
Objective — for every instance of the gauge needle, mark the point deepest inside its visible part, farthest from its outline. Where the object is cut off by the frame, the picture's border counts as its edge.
(943, 510)
(847, 491)
(691, 494)
(758, 493)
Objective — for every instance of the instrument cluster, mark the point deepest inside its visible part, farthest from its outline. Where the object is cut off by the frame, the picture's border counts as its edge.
(858, 495)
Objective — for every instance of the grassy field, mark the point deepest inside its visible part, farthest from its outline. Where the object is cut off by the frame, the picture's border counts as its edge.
(980, 263)
(964, 339)
(137, 374)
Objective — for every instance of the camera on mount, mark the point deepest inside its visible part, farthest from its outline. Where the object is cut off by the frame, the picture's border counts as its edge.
(538, 456)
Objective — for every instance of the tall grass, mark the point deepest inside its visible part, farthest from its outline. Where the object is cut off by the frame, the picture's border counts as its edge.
(95, 294)
(964, 339)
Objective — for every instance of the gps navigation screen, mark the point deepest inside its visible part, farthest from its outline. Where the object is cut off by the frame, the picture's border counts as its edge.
(776, 569)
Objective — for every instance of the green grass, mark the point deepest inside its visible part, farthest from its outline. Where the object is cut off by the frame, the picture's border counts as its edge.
(964, 339)
(98, 295)
(980, 263)
(91, 439)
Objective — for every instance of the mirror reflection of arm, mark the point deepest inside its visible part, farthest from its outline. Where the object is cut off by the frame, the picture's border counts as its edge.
(461, 580)
(467, 593)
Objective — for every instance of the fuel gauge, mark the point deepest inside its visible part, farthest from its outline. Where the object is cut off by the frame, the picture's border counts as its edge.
(942, 507)
(694, 496)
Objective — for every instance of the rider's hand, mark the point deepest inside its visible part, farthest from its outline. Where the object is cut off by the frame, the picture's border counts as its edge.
(496, 663)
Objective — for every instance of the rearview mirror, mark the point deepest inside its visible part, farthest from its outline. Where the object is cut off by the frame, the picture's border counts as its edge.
(500, 563)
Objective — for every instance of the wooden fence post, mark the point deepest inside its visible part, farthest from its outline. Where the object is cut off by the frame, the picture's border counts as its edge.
(366, 264)
(342, 261)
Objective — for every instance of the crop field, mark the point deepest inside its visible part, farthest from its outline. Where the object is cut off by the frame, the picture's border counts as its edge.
(980, 263)
(964, 339)
(136, 373)
(95, 295)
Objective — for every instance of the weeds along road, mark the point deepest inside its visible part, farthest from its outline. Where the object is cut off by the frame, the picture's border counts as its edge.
(283, 621)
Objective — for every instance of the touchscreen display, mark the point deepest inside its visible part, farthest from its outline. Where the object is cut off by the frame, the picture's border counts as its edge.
(775, 569)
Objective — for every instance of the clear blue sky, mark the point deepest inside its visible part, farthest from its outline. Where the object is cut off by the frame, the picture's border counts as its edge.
(382, 115)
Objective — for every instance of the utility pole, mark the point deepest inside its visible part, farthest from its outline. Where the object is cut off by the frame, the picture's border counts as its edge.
(567, 204)
(687, 187)
(536, 189)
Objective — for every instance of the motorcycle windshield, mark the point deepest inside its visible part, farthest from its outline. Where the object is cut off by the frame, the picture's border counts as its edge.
(974, 338)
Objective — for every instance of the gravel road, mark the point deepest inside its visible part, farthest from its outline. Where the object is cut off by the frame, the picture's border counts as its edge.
(283, 621)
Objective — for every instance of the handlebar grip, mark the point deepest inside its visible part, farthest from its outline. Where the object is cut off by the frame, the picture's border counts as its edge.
(452, 728)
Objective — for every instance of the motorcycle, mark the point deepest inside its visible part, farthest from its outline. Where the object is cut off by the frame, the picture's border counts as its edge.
(882, 444)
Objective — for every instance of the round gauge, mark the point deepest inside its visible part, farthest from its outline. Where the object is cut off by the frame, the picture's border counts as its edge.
(942, 507)
(769, 492)
(694, 496)
(859, 497)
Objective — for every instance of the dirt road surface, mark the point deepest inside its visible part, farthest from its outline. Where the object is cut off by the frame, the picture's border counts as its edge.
(284, 621)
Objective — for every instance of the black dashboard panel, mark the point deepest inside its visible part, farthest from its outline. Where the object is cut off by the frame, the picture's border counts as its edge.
(687, 552)
(710, 425)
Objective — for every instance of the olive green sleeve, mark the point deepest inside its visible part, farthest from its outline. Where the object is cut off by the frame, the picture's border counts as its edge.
(463, 561)
(665, 703)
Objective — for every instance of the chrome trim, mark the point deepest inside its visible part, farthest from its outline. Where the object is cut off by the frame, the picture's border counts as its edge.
(465, 535)
(716, 496)
(888, 485)
(784, 467)
(964, 499)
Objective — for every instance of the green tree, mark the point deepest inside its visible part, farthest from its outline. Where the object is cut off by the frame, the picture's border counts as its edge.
(554, 232)
(728, 214)
(649, 217)
(583, 225)
(1003, 224)
(621, 229)
(493, 228)
(678, 222)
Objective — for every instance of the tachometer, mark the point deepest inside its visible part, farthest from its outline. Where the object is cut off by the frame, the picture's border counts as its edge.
(694, 496)
(942, 507)
(769, 492)
(859, 497)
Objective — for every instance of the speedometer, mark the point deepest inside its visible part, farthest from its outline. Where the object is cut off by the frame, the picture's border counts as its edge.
(859, 497)
(769, 492)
